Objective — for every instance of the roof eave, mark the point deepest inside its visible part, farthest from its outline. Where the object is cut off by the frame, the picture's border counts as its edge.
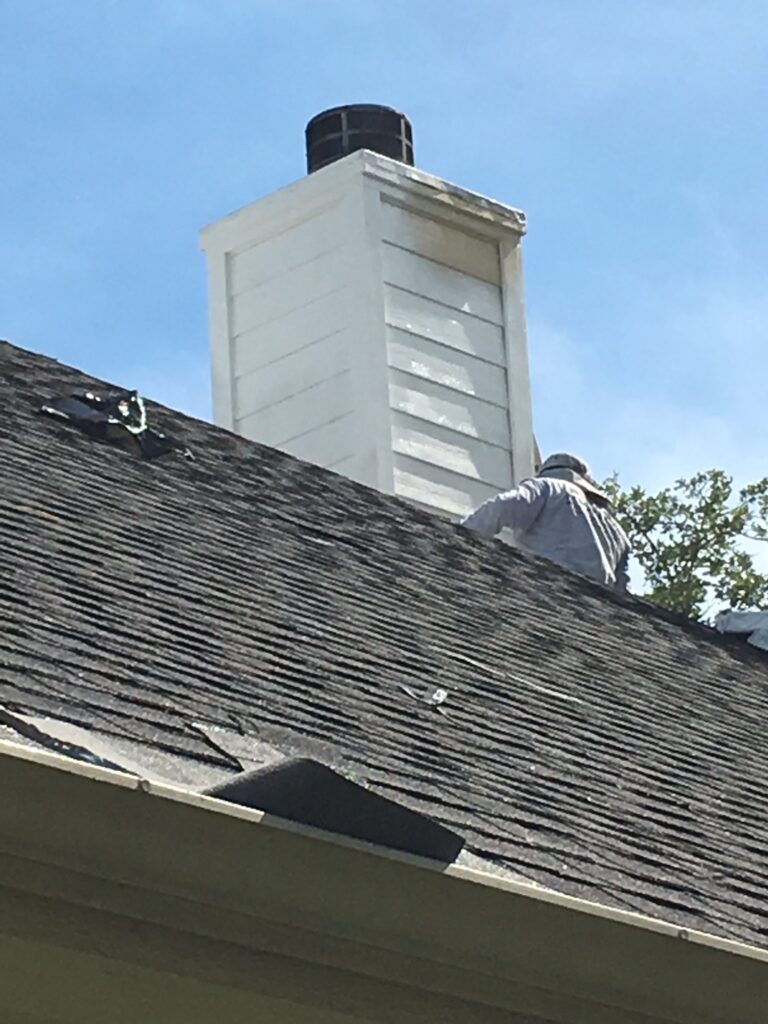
(237, 886)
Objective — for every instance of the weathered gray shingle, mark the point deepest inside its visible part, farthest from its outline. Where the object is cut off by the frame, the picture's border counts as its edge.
(591, 743)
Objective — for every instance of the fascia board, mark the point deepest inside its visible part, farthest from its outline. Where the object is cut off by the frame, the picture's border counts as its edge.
(184, 861)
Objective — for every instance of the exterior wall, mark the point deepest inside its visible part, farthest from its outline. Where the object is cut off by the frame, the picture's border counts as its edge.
(369, 319)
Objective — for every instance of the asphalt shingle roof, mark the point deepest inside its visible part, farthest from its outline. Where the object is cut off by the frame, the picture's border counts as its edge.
(589, 743)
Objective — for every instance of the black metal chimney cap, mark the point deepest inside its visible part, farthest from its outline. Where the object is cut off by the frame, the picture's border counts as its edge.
(339, 131)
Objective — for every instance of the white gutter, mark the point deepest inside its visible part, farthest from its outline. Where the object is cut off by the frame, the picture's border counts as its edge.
(171, 884)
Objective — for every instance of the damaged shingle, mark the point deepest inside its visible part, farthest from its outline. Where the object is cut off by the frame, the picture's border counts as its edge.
(307, 791)
(121, 418)
(29, 729)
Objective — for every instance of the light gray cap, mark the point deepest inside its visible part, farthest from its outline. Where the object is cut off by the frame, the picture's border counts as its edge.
(563, 466)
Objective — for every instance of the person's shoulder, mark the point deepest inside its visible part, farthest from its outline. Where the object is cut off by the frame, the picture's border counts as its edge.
(552, 486)
(536, 485)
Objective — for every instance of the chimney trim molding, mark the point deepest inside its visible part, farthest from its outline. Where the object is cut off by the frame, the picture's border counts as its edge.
(436, 190)
(323, 187)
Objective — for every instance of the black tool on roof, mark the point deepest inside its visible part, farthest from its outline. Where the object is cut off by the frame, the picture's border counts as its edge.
(306, 791)
(121, 418)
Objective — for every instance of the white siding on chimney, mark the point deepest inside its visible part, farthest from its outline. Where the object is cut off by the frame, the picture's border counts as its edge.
(289, 344)
(446, 354)
(369, 319)
(276, 298)
(302, 402)
(434, 281)
(437, 241)
(297, 329)
(436, 488)
(321, 445)
(429, 319)
(301, 413)
(448, 408)
(292, 374)
(445, 365)
(441, 446)
(298, 245)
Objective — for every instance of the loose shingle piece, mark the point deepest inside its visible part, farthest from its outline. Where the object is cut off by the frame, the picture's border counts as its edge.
(120, 417)
(591, 743)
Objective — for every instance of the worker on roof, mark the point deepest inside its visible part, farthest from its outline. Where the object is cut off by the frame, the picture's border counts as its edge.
(562, 515)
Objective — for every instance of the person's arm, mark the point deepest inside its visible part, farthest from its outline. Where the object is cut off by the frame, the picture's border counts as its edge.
(622, 573)
(516, 509)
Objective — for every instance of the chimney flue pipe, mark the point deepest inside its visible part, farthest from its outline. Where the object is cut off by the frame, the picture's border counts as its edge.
(339, 131)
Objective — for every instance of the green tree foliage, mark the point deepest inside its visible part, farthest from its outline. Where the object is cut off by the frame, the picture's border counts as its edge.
(689, 541)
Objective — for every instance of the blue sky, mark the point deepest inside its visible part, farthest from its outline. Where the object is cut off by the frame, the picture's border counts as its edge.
(632, 134)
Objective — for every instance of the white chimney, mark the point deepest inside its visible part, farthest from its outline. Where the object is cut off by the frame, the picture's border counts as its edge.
(369, 319)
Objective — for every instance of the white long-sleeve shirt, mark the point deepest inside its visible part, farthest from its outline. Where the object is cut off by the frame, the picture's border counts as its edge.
(555, 519)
